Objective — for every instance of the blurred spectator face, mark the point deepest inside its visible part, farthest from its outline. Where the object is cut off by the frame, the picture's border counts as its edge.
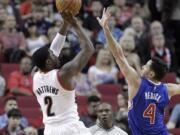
(156, 28)
(38, 14)
(104, 113)
(26, 65)
(104, 57)
(119, 3)
(30, 131)
(158, 41)
(121, 101)
(11, 104)
(96, 8)
(32, 29)
(10, 22)
(115, 11)
(137, 24)
(2, 14)
(92, 108)
(128, 44)
(14, 122)
(129, 32)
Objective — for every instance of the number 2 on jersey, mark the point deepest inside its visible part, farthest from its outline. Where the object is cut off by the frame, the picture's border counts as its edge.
(48, 102)
(150, 112)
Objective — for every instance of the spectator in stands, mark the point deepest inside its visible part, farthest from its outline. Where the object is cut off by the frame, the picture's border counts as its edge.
(174, 121)
(156, 28)
(6, 5)
(20, 82)
(128, 46)
(13, 127)
(141, 39)
(129, 31)
(90, 21)
(39, 19)
(122, 113)
(30, 131)
(171, 23)
(159, 50)
(12, 41)
(11, 103)
(34, 40)
(104, 71)
(126, 11)
(105, 124)
(91, 117)
(117, 33)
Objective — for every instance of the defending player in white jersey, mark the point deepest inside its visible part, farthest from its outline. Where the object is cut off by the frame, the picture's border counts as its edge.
(52, 86)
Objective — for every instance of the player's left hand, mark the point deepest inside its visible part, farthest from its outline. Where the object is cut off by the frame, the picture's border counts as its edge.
(103, 21)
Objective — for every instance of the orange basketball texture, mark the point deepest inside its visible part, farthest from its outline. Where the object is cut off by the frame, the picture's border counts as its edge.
(72, 6)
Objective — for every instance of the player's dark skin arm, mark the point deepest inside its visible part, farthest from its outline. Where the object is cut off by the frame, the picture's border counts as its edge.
(75, 66)
(64, 28)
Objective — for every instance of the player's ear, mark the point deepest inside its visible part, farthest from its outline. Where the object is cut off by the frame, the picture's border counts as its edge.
(152, 74)
(48, 62)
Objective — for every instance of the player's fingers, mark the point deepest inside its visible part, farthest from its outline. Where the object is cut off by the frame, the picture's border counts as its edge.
(104, 11)
(99, 20)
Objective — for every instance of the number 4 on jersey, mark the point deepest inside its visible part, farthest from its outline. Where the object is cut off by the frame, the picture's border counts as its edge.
(150, 113)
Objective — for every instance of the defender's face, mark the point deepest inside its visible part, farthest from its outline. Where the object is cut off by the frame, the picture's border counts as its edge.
(146, 69)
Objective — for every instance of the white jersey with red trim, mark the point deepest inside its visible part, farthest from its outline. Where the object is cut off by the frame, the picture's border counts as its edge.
(57, 104)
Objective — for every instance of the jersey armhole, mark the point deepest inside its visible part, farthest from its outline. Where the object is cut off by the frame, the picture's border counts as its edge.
(64, 86)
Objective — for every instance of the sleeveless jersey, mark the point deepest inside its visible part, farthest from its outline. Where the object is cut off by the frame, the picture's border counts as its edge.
(57, 104)
(146, 112)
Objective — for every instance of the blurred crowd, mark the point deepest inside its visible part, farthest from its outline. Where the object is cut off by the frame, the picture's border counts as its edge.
(144, 28)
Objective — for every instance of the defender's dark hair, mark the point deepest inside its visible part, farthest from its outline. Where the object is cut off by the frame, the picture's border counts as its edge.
(14, 113)
(93, 99)
(40, 56)
(159, 67)
(10, 98)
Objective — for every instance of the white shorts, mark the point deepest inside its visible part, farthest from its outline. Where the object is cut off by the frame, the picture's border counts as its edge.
(74, 128)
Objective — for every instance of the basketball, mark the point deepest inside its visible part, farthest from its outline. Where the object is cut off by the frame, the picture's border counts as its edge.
(72, 6)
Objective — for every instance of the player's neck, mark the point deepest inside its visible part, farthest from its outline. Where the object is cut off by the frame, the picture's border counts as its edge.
(154, 81)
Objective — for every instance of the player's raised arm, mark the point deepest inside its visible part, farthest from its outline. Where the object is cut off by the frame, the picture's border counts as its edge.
(173, 89)
(59, 40)
(132, 77)
(77, 64)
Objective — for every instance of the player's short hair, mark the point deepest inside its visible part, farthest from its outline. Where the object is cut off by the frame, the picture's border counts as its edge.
(40, 56)
(159, 67)
(14, 113)
(93, 98)
(10, 98)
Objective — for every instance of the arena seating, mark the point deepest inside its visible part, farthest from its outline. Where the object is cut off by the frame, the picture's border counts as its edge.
(6, 69)
(110, 89)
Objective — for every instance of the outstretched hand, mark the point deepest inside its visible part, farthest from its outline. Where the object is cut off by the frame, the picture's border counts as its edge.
(104, 20)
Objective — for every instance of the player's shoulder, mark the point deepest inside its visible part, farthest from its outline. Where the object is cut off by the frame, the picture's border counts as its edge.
(122, 132)
(93, 129)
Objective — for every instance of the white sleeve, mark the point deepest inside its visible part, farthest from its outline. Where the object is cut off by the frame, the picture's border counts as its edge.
(57, 44)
